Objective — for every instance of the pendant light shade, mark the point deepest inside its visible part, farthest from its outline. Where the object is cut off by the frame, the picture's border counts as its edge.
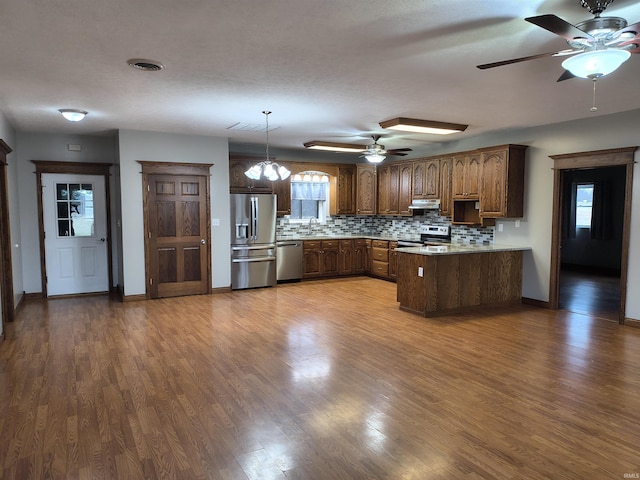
(596, 63)
(268, 169)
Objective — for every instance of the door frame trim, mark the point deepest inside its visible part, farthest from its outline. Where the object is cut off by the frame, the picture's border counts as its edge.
(73, 168)
(6, 266)
(582, 160)
(177, 169)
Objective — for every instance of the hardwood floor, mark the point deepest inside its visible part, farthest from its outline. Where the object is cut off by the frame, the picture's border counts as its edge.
(590, 293)
(316, 380)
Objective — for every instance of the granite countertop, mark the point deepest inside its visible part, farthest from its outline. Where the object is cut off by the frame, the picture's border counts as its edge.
(448, 249)
(460, 248)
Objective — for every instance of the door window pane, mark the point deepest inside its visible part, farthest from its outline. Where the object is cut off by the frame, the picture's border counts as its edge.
(74, 204)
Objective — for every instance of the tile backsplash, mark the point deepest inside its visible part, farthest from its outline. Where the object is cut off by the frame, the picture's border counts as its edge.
(386, 226)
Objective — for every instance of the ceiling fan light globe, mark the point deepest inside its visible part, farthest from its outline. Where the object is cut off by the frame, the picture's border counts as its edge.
(374, 157)
(596, 63)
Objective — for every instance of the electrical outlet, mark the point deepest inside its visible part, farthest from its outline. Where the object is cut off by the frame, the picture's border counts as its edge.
(500, 227)
(517, 223)
(420, 272)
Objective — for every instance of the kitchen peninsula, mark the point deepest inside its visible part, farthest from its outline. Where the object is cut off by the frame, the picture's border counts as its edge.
(433, 280)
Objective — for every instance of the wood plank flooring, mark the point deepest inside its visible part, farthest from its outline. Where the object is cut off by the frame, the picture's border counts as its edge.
(318, 380)
(590, 293)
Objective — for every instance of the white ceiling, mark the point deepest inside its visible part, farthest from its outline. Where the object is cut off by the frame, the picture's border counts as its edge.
(327, 69)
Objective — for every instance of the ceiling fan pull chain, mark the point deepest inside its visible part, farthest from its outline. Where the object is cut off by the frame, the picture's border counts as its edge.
(594, 108)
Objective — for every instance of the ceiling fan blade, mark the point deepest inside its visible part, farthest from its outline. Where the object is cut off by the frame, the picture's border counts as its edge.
(626, 32)
(400, 150)
(566, 76)
(561, 27)
(517, 60)
(396, 154)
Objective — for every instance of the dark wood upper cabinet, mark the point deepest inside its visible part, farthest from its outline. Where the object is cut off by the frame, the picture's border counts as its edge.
(446, 166)
(502, 181)
(239, 182)
(366, 189)
(466, 168)
(426, 178)
(405, 192)
(282, 189)
(346, 190)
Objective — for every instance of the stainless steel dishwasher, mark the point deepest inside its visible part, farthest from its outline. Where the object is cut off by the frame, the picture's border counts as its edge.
(289, 260)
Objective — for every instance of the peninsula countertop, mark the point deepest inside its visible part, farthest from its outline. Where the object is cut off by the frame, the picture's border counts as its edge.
(460, 248)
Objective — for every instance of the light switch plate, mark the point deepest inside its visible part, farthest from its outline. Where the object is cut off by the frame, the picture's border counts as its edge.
(420, 272)
(215, 222)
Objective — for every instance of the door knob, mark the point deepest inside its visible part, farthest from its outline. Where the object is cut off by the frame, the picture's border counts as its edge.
(203, 242)
(102, 239)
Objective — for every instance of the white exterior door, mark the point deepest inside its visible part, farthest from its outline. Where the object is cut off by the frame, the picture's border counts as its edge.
(75, 226)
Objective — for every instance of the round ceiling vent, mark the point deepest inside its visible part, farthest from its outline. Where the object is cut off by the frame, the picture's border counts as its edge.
(145, 64)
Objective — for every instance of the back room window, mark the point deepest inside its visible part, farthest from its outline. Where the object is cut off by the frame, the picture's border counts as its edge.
(584, 203)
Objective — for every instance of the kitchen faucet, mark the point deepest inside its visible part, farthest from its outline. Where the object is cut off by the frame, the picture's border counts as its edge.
(312, 220)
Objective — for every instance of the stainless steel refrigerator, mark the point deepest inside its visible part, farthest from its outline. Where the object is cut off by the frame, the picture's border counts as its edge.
(253, 240)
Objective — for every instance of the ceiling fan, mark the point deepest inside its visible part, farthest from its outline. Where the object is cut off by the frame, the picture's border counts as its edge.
(375, 152)
(598, 46)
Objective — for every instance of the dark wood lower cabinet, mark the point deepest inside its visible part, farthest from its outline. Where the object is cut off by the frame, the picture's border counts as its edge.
(311, 259)
(393, 261)
(330, 258)
(430, 285)
(320, 258)
(347, 254)
(380, 258)
(360, 256)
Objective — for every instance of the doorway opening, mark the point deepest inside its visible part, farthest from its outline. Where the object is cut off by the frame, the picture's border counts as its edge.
(591, 248)
(590, 232)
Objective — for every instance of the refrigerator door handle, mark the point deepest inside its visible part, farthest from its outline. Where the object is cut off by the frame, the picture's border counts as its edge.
(253, 259)
(254, 217)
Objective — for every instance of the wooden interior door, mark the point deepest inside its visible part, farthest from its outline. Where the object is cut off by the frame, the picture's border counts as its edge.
(178, 256)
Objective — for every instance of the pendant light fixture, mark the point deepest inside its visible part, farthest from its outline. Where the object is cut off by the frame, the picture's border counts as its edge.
(268, 169)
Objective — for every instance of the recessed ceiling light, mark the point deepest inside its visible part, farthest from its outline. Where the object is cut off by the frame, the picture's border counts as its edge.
(422, 126)
(145, 64)
(72, 114)
(334, 147)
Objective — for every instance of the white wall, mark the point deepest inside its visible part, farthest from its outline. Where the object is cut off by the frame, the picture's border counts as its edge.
(162, 147)
(596, 133)
(40, 146)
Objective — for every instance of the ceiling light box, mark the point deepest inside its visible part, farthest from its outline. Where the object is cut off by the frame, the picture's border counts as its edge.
(334, 147)
(422, 126)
